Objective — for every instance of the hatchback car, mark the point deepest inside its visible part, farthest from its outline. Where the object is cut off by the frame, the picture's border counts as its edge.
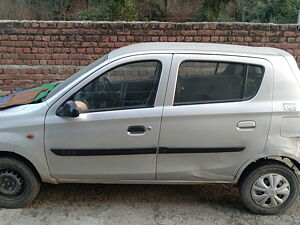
(163, 113)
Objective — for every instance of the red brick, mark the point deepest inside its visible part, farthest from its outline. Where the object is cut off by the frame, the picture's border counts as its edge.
(171, 38)
(189, 32)
(26, 50)
(59, 56)
(13, 37)
(87, 31)
(205, 39)
(81, 50)
(89, 50)
(206, 32)
(155, 38)
(51, 31)
(188, 39)
(89, 44)
(98, 50)
(40, 44)
(4, 37)
(35, 62)
(130, 38)
(7, 43)
(10, 49)
(221, 32)
(180, 38)
(9, 71)
(289, 34)
(9, 56)
(35, 25)
(120, 44)
(156, 32)
(214, 38)
(68, 31)
(163, 39)
(106, 44)
(113, 38)
(55, 44)
(46, 38)
(23, 43)
(33, 31)
(26, 56)
(121, 38)
(163, 25)
(43, 56)
(41, 50)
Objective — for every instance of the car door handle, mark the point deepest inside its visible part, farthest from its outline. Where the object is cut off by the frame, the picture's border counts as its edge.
(249, 124)
(136, 129)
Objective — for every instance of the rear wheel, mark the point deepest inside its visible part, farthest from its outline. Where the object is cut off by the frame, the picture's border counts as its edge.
(269, 189)
(18, 184)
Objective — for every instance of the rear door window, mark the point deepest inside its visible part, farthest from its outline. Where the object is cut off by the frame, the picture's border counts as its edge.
(211, 82)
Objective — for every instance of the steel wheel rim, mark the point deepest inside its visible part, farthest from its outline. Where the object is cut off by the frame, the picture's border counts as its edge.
(270, 190)
(12, 184)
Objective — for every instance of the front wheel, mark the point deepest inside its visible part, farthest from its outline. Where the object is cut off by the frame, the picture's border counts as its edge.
(269, 189)
(18, 184)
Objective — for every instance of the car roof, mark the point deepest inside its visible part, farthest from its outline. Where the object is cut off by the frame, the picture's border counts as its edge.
(192, 47)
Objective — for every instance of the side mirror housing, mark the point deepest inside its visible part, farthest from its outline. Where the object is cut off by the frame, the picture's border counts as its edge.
(69, 109)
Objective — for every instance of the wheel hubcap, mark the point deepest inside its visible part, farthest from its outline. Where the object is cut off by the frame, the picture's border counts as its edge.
(11, 183)
(270, 190)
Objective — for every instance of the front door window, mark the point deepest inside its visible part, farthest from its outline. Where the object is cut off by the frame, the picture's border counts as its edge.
(132, 85)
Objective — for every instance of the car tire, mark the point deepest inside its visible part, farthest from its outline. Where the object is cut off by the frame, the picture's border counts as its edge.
(19, 185)
(269, 189)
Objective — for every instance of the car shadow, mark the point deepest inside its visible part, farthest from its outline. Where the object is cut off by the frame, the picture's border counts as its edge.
(82, 195)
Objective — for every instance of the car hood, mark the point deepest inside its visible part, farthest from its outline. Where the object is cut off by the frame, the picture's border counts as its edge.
(13, 110)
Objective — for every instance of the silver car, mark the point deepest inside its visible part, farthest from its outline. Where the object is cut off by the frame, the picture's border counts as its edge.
(163, 113)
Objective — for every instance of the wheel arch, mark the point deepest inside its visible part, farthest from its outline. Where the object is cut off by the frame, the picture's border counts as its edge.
(22, 159)
(293, 164)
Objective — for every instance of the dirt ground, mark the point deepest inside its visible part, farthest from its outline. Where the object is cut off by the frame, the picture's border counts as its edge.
(74, 204)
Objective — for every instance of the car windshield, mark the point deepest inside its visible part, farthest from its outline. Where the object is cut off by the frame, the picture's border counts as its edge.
(68, 81)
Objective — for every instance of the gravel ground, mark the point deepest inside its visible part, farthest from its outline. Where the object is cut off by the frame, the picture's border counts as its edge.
(74, 204)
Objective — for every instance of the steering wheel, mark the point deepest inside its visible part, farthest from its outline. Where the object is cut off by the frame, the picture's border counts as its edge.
(107, 85)
(109, 90)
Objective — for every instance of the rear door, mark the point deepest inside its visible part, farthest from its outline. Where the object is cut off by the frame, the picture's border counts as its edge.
(216, 116)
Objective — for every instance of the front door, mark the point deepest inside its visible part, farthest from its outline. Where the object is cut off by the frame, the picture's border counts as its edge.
(216, 116)
(116, 135)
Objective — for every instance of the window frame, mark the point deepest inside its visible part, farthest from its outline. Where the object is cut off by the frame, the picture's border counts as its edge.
(219, 101)
(123, 107)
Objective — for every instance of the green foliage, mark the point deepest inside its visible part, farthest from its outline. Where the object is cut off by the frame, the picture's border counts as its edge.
(39, 9)
(269, 11)
(59, 8)
(258, 11)
(124, 10)
(275, 11)
(155, 10)
(212, 10)
(49, 9)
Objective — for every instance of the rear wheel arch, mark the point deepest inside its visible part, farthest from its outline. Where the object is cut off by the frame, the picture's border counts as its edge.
(286, 161)
(14, 155)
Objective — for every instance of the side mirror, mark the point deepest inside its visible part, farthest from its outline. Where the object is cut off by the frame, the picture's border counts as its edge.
(69, 109)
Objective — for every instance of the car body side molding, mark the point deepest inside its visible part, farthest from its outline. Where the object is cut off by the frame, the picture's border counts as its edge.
(139, 151)
(165, 150)
(103, 152)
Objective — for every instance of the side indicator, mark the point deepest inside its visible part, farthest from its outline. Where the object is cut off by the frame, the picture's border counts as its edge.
(30, 136)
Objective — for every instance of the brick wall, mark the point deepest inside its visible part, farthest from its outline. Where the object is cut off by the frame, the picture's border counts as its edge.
(37, 52)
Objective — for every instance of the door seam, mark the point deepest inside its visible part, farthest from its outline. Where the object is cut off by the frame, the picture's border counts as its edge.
(161, 118)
